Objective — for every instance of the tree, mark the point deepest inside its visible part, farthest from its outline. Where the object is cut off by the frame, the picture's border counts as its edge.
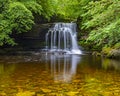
(18, 16)
(103, 20)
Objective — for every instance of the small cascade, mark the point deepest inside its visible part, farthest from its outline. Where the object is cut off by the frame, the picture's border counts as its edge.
(62, 38)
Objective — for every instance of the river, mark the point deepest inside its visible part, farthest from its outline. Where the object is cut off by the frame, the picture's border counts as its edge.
(42, 74)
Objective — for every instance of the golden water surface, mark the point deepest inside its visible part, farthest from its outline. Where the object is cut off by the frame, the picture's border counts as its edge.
(59, 75)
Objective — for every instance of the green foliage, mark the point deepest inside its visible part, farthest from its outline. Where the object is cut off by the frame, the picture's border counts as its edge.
(32, 5)
(116, 46)
(17, 16)
(4, 5)
(20, 17)
(102, 19)
(106, 50)
(5, 30)
(48, 7)
(69, 9)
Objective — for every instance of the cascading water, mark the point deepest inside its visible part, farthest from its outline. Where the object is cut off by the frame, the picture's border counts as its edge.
(62, 38)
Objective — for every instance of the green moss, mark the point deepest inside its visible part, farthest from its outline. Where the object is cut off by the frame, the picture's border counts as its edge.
(116, 46)
(111, 52)
(106, 51)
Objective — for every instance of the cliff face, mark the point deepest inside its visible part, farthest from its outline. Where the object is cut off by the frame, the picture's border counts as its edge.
(34, 39)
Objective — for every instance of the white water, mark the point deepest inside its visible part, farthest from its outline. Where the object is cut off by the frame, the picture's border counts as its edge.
(62, 38)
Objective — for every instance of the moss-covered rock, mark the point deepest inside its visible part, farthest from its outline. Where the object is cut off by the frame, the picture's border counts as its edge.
(95, 53)
(114, 53)
(116, 46)
(106, 51)
(111, 52)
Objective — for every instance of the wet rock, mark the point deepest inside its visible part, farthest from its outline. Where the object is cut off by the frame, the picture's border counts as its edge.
(114, 53)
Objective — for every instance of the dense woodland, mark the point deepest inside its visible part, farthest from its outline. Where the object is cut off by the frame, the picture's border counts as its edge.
(98, 20)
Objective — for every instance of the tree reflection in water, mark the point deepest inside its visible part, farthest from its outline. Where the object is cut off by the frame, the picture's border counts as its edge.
(110, 64)
(5, 75)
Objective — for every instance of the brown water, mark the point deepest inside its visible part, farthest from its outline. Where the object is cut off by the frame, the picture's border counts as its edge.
(59, 75)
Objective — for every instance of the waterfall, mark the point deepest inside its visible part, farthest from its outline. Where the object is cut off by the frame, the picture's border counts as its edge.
(62, 38)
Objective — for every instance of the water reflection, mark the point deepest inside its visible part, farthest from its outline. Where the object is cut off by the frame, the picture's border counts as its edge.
(59, 75)
(5, 74)
(110, 64)
(63, 67)
(6, 69)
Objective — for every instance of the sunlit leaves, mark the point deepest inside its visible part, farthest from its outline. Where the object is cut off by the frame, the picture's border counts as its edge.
(18, 16)
(5, 31)
(4, 5)
(33, 6)
(68, 9)
(102, 20)
(21, 16)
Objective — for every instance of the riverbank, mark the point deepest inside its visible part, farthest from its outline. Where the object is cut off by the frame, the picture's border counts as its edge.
(112, 52)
